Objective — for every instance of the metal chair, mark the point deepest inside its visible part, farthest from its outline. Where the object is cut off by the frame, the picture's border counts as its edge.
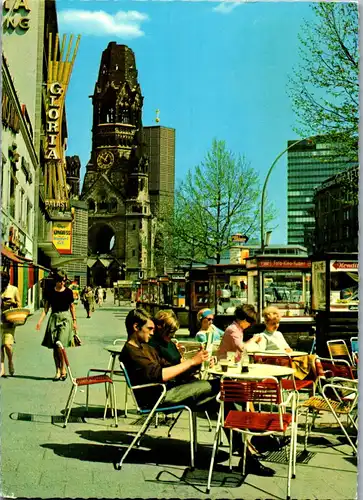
(151, 412)
(85, 381)
(336, 368)
(338, 349)
(339, 397)
(286, 384)
(109, 371)
(252, 423)
(354, 346)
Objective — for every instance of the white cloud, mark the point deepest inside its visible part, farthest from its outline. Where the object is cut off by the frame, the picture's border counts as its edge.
(227, 6)
(123, 24)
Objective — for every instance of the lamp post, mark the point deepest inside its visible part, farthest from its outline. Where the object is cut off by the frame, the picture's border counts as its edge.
(265, 186)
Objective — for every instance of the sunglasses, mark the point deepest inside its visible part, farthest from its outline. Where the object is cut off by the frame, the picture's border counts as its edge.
(209, 319)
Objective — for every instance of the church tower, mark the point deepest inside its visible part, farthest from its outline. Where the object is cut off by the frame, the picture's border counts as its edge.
(116, 184)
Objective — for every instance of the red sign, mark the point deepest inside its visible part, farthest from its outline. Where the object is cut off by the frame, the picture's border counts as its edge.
(285, 263)
(345, 265)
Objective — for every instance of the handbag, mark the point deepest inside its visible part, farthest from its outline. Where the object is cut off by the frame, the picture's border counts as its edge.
(76, 341)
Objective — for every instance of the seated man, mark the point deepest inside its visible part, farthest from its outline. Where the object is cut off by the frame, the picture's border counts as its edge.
(232, 340)
(144, 365)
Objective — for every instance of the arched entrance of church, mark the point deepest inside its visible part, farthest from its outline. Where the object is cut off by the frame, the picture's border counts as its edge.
(101, 239)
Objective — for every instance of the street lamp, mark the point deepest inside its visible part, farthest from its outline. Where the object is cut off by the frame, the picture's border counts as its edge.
(265, 186)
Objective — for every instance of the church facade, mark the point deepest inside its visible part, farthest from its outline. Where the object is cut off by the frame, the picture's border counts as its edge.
(116, 186)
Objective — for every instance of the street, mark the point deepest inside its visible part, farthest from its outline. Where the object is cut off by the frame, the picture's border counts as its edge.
(41, 459)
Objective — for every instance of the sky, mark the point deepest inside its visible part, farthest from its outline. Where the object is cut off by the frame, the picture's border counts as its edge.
(214, 70)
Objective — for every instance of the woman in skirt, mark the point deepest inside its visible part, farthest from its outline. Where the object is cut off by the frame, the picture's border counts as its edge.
(61, 323)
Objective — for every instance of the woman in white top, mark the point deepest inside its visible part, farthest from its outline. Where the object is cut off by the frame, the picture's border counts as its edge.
(270, 339)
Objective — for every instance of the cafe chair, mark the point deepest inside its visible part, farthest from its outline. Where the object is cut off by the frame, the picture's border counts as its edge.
(151, 412)
(286, 384)
(336, 368)
(339, 397)
(252, 423)
(338, 349)
(107, 371)
(85, 381)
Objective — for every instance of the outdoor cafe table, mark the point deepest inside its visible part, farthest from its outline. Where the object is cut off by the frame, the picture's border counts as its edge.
(254, 371)
(293, 354)
(114, 350)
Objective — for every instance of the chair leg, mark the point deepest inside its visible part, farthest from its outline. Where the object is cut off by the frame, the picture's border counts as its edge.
(126, 391)
(70, 403)
(114, 405)
(173, 424)
(209, 422)
(306, 429)
(136, 438)
(294, 440)
(244, 454)
(230, 448)
(214, 451)
(289, 472)
(192, 430)
(156, 420)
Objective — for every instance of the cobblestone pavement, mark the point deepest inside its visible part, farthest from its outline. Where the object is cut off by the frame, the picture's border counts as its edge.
(41, 459)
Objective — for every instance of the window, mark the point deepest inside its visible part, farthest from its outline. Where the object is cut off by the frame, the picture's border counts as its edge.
(21, 206)
(133, 227)
(13, 183)
(29, 217)
(133, 253)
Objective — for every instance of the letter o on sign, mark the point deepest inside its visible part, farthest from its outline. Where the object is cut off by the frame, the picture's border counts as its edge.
(53, 114)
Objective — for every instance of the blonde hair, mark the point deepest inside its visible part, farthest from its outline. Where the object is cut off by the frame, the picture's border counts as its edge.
(166, 321)
(271, 314)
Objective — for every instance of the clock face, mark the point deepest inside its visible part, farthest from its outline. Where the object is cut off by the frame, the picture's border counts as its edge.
(105, 159)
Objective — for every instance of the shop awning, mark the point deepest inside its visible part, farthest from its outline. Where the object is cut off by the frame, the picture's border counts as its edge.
(49, 249)
(6, 252)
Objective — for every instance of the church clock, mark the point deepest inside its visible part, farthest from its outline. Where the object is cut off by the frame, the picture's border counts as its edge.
(105, 159)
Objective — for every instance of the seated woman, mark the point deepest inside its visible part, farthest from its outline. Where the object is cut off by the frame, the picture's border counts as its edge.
(270, 339)
(208, 332)
(245, 316)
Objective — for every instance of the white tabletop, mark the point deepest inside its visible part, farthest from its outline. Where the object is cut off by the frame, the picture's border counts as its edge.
(255, 371)
(281, 353)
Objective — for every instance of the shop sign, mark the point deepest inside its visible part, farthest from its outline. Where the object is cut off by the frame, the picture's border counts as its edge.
(62, 236)
(54, 116)
(9, 115)
(344, 265)
(14, 237)
(284, 264)
(319, 266)
(14, 18)
(241, 238)
(251, 263)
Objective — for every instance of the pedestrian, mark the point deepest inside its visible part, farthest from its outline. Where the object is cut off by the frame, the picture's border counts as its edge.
(88, 301)
(96, 295)
(62, 322)
(100, 296)
(104, 294)
(10, 298)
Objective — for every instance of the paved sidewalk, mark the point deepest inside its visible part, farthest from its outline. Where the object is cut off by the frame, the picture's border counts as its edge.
(41, 459)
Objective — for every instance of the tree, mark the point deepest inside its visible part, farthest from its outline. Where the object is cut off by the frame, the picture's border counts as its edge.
(221, 197)
(325, 87)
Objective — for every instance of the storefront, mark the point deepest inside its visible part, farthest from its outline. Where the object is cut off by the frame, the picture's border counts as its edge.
(335, 300)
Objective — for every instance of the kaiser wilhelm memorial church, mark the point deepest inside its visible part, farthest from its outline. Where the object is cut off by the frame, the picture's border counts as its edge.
(129, 175)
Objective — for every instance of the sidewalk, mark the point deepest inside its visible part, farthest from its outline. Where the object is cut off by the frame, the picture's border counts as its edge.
(41, 459)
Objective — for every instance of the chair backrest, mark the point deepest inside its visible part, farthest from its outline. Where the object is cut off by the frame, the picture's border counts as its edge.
(129, 385)
(273, 359)
(119, 341)
(338, 349)
(244, 391)
(336, 368)
(65, 357)
(354, 344)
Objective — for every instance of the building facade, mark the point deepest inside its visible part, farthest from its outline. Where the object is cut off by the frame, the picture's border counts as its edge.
(160, 149)
(336, 213)
(309, 163)
(116, 184)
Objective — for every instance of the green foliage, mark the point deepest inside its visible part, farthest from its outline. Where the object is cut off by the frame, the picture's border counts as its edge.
(221, 197)
(325, 87)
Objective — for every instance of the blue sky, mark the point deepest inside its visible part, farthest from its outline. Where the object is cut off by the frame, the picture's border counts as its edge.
(214, 70)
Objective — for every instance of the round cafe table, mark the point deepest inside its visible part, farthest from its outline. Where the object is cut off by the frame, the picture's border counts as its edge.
(256, 371)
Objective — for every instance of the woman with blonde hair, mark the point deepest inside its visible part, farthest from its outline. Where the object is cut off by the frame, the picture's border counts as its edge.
(166, 324)
(271, 339)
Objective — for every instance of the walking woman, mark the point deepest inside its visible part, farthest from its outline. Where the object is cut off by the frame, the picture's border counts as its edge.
(61, 323)
(9, 298)
(88, 301)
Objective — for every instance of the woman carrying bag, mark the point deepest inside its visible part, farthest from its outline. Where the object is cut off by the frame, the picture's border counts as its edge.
(62, 323)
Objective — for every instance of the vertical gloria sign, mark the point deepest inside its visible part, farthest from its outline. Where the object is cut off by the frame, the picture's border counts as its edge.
(59, 73)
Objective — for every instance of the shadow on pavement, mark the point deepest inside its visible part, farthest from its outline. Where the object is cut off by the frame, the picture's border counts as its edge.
(56, 420)
(30, 377)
